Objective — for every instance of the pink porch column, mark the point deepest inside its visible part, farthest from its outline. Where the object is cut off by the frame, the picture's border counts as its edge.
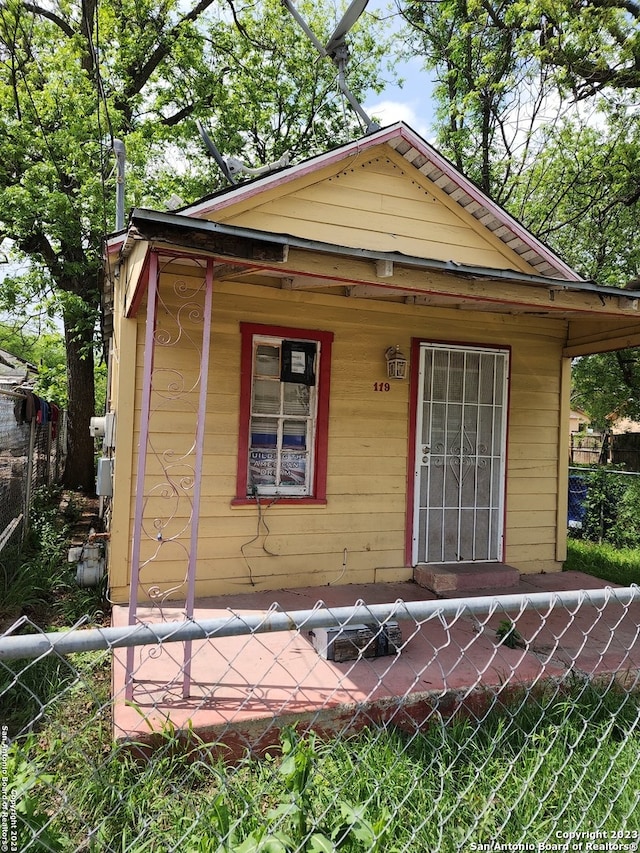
(143, 491)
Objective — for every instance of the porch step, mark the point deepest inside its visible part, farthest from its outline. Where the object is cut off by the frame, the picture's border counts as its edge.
(466, 577)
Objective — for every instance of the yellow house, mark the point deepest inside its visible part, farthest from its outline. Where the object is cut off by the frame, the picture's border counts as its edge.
(342, 372)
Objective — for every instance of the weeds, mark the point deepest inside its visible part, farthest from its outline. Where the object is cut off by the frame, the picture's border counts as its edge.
(37, 588)
(616, 565)
(295, 824)
(564, 756)
(21, 589)
(609, 506)
(31, 821)
(37, 581)
(508, 634)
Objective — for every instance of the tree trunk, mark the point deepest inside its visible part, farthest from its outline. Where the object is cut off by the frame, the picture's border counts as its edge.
(79, 469)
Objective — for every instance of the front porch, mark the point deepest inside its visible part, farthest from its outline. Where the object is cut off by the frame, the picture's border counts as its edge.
(243, 689)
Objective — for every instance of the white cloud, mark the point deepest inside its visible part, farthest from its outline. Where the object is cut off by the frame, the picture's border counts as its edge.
(389, 111)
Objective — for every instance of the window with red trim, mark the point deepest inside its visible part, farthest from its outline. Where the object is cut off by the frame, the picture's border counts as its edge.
(284, 408)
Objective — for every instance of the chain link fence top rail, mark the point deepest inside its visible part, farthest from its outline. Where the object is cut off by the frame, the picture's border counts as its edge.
(504, 723)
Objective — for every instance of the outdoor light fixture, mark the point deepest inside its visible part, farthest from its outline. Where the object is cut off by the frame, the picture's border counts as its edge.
(396, 363)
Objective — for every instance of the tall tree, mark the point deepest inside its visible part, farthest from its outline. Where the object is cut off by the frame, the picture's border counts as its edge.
(579, 194)
(538, 103)
(74, 75)
(489, 94)
(593, 45)
(607, 386)
(508, 72)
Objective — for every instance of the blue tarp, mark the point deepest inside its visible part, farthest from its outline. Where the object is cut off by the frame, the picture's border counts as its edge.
(577, 496)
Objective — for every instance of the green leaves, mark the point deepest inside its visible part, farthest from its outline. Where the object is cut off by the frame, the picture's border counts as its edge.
(374, 836)
(607, 386)
(508, 635)
(277, 95)
(74, 75)
(473, 53)
(521, 112)
(292, 825)
(23, 781)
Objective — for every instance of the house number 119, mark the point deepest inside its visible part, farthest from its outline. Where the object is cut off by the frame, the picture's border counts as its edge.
(381, 386)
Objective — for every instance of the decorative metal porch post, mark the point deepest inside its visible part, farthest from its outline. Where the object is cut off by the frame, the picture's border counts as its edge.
(169, 477)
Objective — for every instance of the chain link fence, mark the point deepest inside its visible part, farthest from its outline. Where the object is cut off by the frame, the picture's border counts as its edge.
(479, 724)
(31, 455)
(603, 504)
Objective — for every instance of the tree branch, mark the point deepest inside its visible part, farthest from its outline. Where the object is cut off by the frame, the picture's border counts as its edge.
(140, 76)
(625, 5)
(626, 365)
(66, 28)
(37, 244)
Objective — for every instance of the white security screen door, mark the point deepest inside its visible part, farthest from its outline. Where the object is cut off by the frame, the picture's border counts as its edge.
(460, 454)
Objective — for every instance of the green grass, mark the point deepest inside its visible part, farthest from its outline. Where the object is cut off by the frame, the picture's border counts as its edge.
(566, 758)
(37, 586)
(37, 581)
(617, 565)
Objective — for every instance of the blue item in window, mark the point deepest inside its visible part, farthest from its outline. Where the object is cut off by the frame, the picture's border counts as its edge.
(577, 497)
(263, 439)
(297, 442)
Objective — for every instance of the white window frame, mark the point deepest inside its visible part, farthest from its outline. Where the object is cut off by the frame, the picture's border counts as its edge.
(276, 489)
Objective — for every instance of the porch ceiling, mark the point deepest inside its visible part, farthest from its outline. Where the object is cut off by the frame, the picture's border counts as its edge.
(598, 318)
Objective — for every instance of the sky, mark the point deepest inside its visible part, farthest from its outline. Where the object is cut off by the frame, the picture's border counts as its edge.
(411, 103)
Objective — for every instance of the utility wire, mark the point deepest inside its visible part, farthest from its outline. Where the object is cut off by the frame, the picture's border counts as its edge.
(101, 101)
(45, 137)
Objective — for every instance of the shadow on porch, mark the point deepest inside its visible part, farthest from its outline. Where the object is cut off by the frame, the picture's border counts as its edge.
(243, 689)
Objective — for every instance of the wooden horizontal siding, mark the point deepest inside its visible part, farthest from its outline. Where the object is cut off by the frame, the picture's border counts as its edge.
(534, 434)
(368, 434)
(382, 240)
(265, 572)
(519, 537)
(524, 469)
(532, 486)
(397, 210)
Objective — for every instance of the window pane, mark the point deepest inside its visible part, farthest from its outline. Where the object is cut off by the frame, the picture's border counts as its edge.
(294, 434)
(267, 360)
(296, 399)
(294, 469)
(266, 396)
(262, 467)
(264, 432)
(280, 393)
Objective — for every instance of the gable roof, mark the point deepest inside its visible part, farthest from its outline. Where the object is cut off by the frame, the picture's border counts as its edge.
(422, 157)
(288, 229)
(15, 370)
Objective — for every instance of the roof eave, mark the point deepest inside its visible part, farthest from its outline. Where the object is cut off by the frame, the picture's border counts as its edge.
(194, 234)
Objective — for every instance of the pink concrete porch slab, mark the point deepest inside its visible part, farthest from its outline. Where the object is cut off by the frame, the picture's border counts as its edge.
(244, 688)
(589, 640)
